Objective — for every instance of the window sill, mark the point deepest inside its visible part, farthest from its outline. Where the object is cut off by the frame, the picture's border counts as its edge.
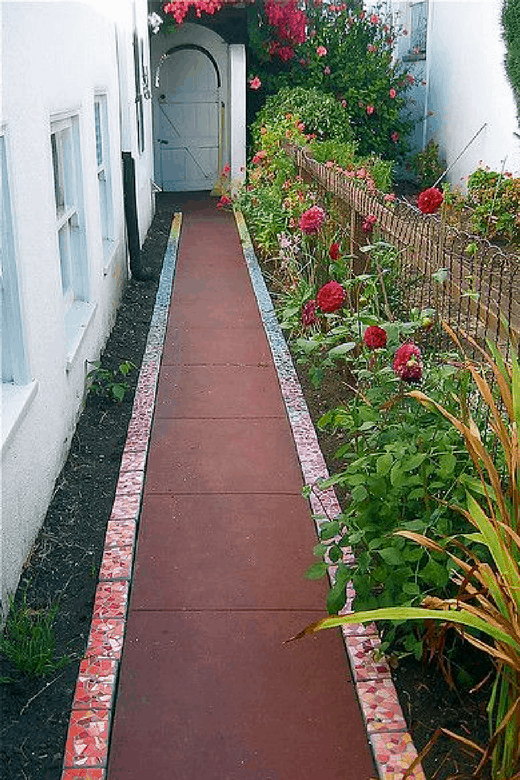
(421, 57)
(77, 320)
(16, 400)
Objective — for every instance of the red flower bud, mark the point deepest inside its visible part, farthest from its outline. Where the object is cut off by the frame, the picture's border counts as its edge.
(407, 363)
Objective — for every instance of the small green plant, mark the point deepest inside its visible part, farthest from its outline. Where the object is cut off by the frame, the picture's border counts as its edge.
(495, 198)
(108, 383)
(28, 640)
(427, 165)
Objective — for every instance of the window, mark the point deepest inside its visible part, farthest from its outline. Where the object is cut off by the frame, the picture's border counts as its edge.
(14, 364)
(139, 98)
(418, 28)
(69, 209)
(103, 173)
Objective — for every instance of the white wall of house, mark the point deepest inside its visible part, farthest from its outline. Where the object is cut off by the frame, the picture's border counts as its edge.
(67, 72)
(466, 85)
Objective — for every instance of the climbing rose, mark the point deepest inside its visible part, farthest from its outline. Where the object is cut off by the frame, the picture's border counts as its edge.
(321, 51)
(331, 296)
(179, 8)
(255, 83)
(429, 200)
(370, 110)
(407, 363)
(375, 337)
(334, 251)
(392, 93)
(309, 313)
(312, 220)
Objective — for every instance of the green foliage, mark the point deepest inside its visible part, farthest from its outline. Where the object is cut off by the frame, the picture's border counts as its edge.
(343, 155)
(320, 112)
(511, 25)
(427, 165)
(495, 199)
(107, 383)
(28, 640)
(358, 69)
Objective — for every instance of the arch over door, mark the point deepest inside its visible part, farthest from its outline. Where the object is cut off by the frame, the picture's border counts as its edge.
(187, 121)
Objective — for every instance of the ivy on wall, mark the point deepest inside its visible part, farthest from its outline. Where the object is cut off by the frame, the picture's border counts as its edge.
(511, 25)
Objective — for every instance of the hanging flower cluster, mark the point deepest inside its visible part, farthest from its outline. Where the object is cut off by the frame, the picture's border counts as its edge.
(407, 363)
(290, 24)
(179, 8)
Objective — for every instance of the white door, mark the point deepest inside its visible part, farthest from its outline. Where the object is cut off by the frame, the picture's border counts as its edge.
(187, 119)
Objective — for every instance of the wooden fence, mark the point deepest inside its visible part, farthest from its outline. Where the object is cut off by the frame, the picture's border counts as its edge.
(481, 284)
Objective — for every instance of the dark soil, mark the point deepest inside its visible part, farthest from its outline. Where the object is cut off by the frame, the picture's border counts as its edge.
(64, 563)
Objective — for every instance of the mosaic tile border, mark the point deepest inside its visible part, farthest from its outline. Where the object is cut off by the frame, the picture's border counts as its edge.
(86, 749)
(391, 744)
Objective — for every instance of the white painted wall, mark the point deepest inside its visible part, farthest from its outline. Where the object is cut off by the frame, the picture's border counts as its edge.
(56, 56)
(467, 87)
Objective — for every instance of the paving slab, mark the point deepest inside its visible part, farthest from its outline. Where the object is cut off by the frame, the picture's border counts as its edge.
(223, 456)
(219, 695)
(225, 552)
(219, 391)
(216, 346)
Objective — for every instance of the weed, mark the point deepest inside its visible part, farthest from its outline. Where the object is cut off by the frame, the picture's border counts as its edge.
(108, 383)
(28, 640)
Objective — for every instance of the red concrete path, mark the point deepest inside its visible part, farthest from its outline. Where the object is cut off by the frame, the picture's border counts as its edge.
(208, 690)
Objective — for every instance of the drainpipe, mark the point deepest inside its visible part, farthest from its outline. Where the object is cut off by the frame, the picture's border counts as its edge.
(132, 223)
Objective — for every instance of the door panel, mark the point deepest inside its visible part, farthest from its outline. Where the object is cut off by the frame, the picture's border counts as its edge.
(187, 122)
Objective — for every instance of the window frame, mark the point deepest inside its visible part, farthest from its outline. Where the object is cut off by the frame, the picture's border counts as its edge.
(104, 173)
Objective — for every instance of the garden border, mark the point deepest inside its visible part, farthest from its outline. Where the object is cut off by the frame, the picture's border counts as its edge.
(386, 727)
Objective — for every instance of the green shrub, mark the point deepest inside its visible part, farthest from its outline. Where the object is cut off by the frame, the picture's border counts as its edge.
(319, 111)
(495, 198)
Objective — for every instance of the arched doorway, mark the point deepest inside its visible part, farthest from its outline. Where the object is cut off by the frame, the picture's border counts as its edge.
(188, 119)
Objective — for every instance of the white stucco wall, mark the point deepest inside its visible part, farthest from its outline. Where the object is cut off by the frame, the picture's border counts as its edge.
(56, 56)
(467, 87)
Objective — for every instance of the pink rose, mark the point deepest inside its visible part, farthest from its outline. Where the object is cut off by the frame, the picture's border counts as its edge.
(395, 136)
(321, 51)
(255, 83)
(370, 110)
(392, 93)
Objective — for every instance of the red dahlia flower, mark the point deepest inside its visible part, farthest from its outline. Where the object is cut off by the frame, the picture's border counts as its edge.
(429, 200)
(334, 251)
(309, 313)
(375, 337)
(312, 220)
(331, 296)
(407, 363)
(368, 224)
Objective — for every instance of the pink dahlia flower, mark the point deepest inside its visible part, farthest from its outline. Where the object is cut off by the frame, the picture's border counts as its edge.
(312, 220)
(407, 363)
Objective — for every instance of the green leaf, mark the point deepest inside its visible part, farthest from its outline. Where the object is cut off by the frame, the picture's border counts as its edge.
(316, 571)
(384, 463)
(391, 556)
(342, 349)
